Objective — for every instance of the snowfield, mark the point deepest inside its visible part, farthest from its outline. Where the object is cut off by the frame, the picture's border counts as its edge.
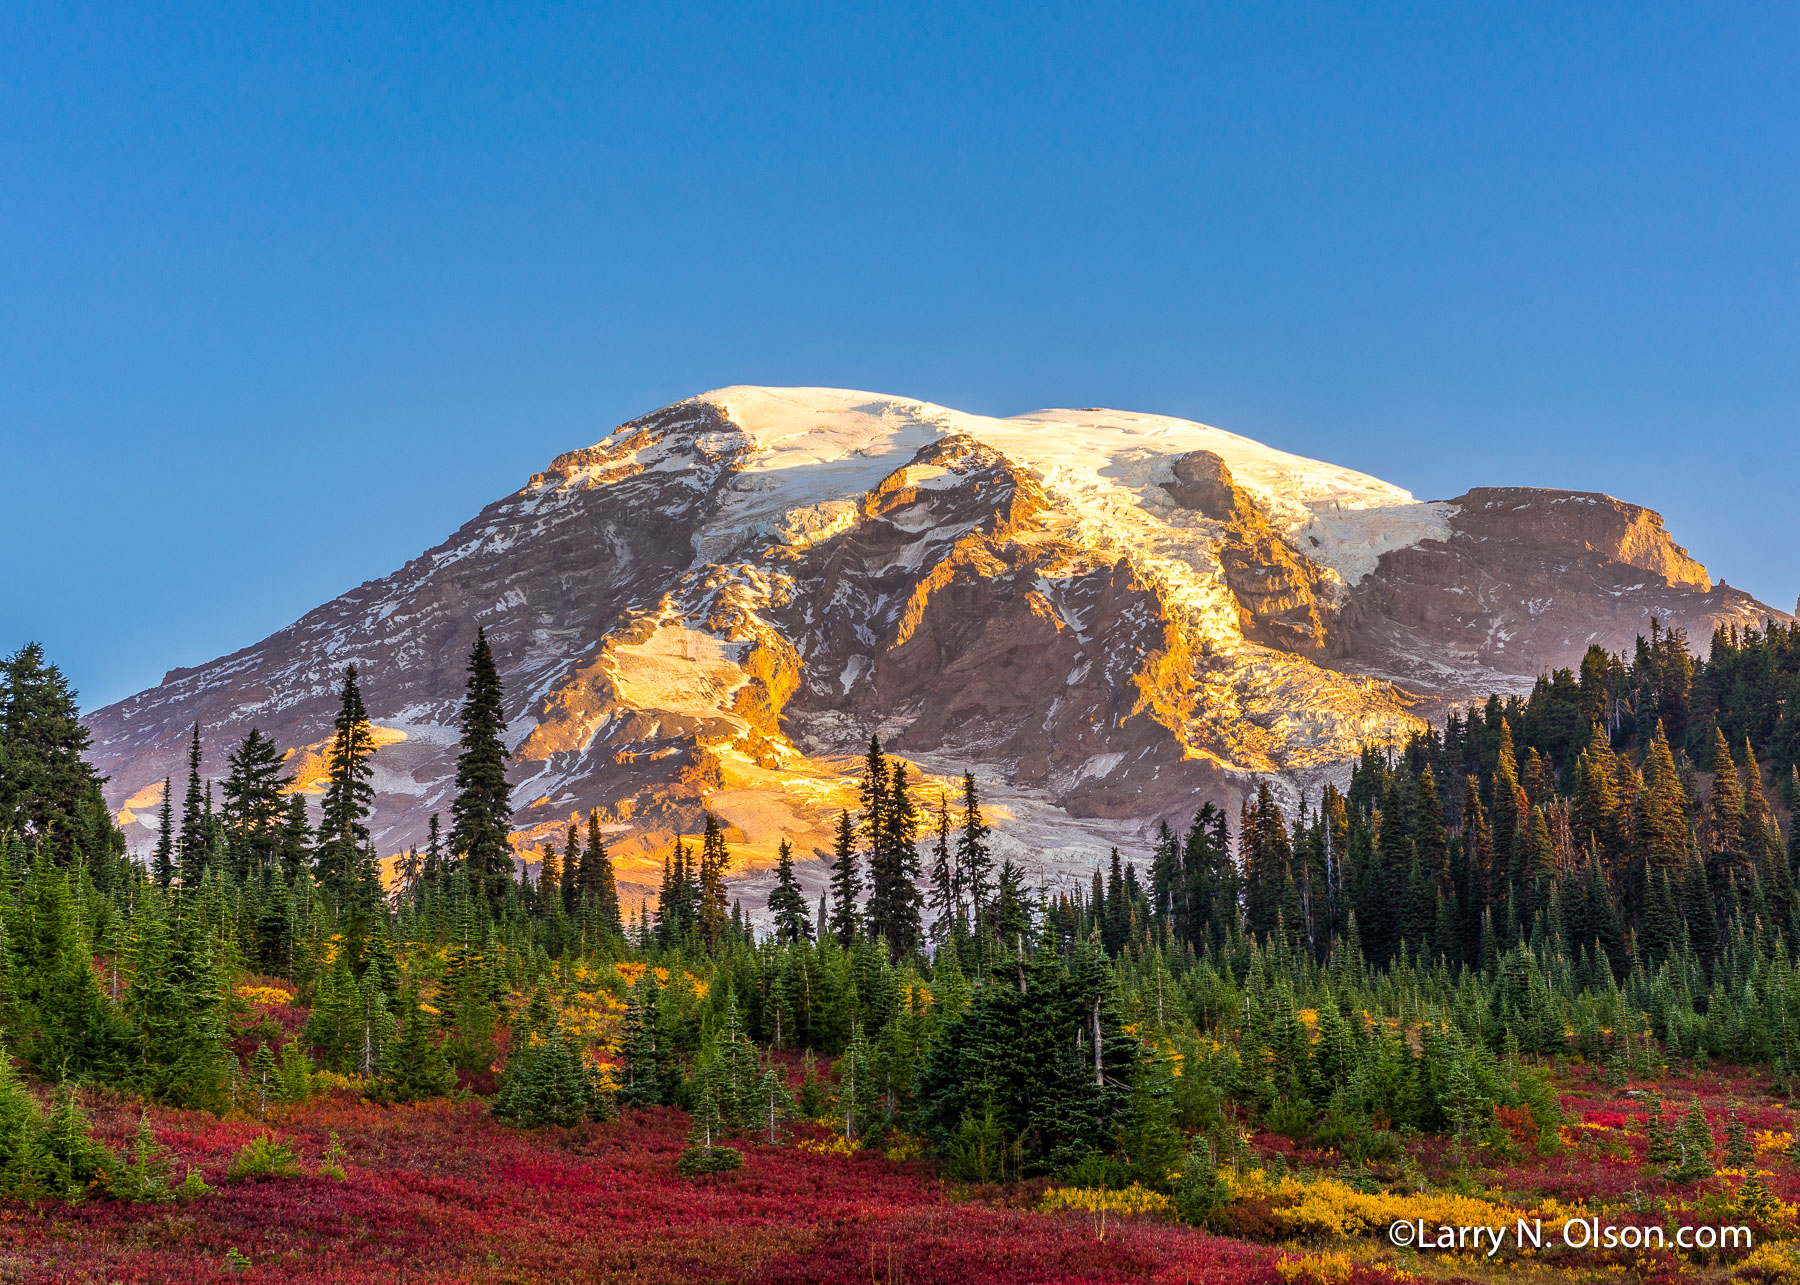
(812, 446)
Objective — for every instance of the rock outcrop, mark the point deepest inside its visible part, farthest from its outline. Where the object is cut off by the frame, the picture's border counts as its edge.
(1525, 581)
(1280, 593)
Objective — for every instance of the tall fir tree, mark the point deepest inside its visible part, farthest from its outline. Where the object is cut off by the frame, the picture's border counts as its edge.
(349, 796)
(1727, 856)
(571, 870)
(162, 861)
(944, 900)
(296, 840)
(645, 1066)
(253, 810)
(193, 820)
(715, 864)
(894, 897)
(846, 882)
(481, 816)
(786, 902)
(434, 850)
(413, 1067)
(48, 790)
(597, 881)
(549, 880)
(974, 859)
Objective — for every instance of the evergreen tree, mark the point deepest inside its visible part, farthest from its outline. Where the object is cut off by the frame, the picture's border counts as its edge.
(856, 1093)
(597, 880)
(1268, 856)
(349, 796)
(48, 790)
(296, 840)
(413, 1067)
(145, 1178)
(945, 899)
(193, 820)
(481, 816)
(1694, 1145)
(974, 860)
(1661, 1147)
(775, 1103)
(677, 900)
(68, 1024)
(262, 1079)
(435, 868)
(715, 863)
(644, 1066)
(1664, 840)
(176, 1006)
(846, 882)
(75, 1161)
(894, 899)
(162, 863)
(1012, 912)
(786, 902)
(549, 880)
(548, 1083)
(1727, 855)
(1148, 1135)
(1739, 1153)
(253, 812)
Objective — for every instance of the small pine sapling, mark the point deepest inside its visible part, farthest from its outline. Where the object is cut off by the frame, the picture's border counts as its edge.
(78, 1163)
(331, 1164)
(145, 1179)
(293, 1074)
(1694, 1141)
(264, 1157)
(263, 1083)
(776, 1103)
(1661, 1149)
(813, 1099)
(703, 1156)
(1739, 1153)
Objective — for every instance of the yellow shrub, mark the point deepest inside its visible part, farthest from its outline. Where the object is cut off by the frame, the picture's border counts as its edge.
(1327, 1207)
(1330, 1268)
(265, 995)
(1135, 1199)
(903, 1146)
(836, 1145)
(1316, 1269)
(1099, 1204)
(324, 1081)
(1773, 1262)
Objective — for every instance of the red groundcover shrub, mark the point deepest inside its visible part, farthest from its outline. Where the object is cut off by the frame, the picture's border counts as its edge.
(441, 1192)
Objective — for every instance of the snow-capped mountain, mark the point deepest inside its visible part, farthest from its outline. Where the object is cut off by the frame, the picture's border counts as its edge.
(1107, 616)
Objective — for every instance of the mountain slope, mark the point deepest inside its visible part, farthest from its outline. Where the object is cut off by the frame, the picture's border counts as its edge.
(1107, 615)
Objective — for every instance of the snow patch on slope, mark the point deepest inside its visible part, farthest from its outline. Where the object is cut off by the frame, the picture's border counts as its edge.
(812, 446)
(679, 671)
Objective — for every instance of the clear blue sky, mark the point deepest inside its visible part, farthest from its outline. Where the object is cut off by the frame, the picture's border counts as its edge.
(287, 295)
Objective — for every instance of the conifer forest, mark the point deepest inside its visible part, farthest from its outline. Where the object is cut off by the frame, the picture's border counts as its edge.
(1537, 962)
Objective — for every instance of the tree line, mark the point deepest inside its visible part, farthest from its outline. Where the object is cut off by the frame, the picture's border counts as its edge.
(1595, 869)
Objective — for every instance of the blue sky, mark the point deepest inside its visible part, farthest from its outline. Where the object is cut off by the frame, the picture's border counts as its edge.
(289, 292)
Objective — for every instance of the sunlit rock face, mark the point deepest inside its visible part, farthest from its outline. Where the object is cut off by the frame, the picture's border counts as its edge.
(1108, 617)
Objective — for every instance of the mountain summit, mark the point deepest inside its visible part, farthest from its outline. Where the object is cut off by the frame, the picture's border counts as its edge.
(1107, 616)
